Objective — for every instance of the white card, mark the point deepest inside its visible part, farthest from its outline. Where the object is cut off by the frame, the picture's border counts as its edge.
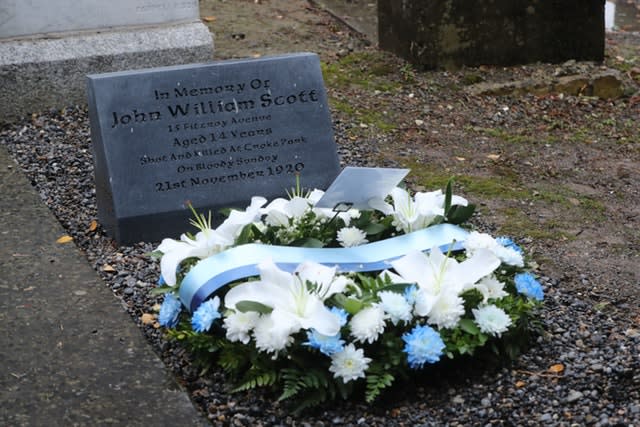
(354, 187)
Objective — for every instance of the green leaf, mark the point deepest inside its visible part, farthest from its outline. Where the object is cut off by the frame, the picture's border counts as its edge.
(458, 214)
(246, 235)
(448, 195)
(375, 384)
(160, 290)
(351, 305)
(398, 288)
(244, 306)
(469, 326)
(307, 242)
(374, 228)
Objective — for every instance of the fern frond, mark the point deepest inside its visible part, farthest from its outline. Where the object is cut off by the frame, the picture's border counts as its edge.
(375, 384)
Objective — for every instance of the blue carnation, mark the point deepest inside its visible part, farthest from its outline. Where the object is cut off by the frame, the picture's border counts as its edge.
(342, 315)
(422, 345)
(169, 311)
(206, 313)
(326, 344)
(527, 285)
(508, 243)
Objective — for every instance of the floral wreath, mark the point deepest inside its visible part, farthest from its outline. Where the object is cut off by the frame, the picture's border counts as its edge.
(316, 334)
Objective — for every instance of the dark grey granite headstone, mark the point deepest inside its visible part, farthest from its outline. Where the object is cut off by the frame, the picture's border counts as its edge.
(209, 134)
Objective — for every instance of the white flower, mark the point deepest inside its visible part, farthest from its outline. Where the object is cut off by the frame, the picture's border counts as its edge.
(280, 210)
(396, 306)
(349, 363)
(446, 310)
(351, 236)
(476, 241)
(294, 305)
(490, 288)
(271, 337)
(367, 324)
(346, 217)
(417, 213)
(440, 280)
(239, 324)
(491, 320)
(437, 273)
(237, 220)
(207, 241)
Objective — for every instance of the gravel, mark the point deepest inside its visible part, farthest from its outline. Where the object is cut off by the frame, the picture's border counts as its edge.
(598, 382)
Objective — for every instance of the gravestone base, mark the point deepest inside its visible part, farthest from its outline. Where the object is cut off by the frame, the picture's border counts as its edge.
(453, 33)
(48, 72)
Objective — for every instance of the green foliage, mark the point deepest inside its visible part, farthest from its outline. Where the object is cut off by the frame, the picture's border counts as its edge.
(376, 382)
(256, 377)
(463, 340)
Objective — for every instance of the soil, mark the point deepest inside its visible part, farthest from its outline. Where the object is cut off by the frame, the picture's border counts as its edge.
(560, 173)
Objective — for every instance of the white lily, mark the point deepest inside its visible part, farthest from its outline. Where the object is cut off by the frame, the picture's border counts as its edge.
(411, 214)
(237, 220)
(440, 280)
(207, 241)
(280, 210)
(294, 305)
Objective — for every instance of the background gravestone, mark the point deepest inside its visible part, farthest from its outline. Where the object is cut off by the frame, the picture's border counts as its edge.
(453, 33)
(212, 134)
(47, 47)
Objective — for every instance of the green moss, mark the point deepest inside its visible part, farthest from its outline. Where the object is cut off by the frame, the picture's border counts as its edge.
(482, 186)
(471, 79)
(370, 70)
(502, 134)
(363, 115)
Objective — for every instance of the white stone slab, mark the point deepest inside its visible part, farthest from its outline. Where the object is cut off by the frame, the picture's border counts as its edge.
(29, 17)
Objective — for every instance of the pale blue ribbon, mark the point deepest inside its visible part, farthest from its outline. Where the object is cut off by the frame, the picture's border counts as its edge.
(241, 262)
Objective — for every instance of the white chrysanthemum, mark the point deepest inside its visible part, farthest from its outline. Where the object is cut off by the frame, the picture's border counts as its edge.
(476, 241)
(269, 338)
(367, 324)
(349, 363)
(396, 306)
(351, 236)
(446, 311)
(238, 325)
(490, 288)
(492, 320)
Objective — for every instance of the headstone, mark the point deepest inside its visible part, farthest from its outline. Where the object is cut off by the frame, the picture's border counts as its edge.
(210, 134)
(47, 47)
(454, 33)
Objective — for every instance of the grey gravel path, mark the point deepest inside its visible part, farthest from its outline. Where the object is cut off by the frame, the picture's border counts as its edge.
(70, 354)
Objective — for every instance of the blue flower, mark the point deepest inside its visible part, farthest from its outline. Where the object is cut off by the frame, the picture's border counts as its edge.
(169, 311)
(342, 314)
(422, 345)
(508, 243)
(410, 294)
(161, 281)
(206, 313)
(527, 285)
(326, 344)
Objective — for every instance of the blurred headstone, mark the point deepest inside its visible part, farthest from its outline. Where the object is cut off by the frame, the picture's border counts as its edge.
(454, 33)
